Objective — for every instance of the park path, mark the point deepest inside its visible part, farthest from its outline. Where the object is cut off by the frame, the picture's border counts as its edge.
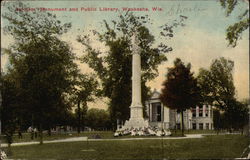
(77, 139)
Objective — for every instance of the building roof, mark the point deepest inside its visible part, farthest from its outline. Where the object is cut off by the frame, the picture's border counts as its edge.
(155, 94)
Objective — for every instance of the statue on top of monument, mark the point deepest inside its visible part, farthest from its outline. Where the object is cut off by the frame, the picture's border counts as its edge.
(135, 43)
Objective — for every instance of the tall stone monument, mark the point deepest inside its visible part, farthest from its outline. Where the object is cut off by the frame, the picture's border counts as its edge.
(136, 109)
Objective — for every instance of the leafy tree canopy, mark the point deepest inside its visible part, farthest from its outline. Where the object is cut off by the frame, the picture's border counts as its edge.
(42, 65)
(217, 83)
(234, 32)
(180, 88)
(113, 67)
(84, 90)
(217, 88)
(97, 118)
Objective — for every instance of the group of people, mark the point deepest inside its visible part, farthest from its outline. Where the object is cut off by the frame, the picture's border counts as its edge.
(33, 132)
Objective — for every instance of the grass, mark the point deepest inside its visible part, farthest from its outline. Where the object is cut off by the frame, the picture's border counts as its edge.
(177, 133)
(90, 135)
(55, 136)
(215, 146)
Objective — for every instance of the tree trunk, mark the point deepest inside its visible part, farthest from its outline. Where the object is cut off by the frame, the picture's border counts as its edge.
(9, 150)
(182, 123)
(49, 131)
(41, 133)
(82, 125)
(79, 118)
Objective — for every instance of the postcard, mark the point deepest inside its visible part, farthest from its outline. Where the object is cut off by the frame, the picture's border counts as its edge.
(104, 79)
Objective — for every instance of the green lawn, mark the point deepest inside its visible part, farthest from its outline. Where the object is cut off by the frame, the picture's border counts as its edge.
(54, 136)
(102, 134)
(178, 132)
(215, 146)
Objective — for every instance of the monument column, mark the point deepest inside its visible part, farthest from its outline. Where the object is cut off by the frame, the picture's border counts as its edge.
(136, 106)
(136, 119)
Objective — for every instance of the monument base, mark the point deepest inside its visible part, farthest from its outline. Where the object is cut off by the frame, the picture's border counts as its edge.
(135, 123)
(140, 127)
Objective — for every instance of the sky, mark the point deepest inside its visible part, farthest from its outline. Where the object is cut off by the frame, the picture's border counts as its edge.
(199, 42)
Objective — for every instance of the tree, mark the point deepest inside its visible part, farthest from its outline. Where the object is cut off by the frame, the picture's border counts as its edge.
(236, 116)
(98, 119)
(235, 31)
(180, 90)
(114, 67)
(217, 88)
(43, 65)
(218, 120)
(9, 108)
(86, 87)
(216, 84)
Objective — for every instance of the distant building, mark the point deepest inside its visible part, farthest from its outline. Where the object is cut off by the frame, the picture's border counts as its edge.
(162, 116)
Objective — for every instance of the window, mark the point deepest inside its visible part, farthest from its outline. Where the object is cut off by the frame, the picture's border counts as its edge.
(200, 111)
(193, 112)
(200, 125)
(207, 125)
(206, 112)
(194, 125)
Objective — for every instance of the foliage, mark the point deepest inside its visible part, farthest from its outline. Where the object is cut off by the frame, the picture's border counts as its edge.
(85, 88)
(180, 88)
(9, 107)
(41, 63)
(98, 119)
(234, 32)
(216, 84)
(113, 67)
(217, 88)
(236, 116)
(218, 120)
